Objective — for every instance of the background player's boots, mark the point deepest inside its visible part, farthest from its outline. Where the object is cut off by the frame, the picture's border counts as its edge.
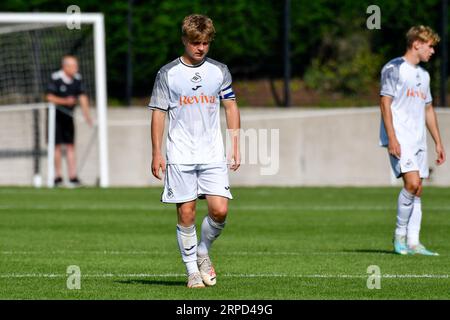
(400, 246)
(206, 270)
(420, 249)
(75, 183)
(195, 280)
(58, 182)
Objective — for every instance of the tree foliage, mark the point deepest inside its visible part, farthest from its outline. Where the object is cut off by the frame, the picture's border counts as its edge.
(328, 38)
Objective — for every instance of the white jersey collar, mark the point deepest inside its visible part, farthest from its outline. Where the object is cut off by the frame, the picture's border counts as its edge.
(65, 77)
(192, 65)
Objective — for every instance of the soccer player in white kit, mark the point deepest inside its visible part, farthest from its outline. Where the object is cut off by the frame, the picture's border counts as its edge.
(407, 110)
(189, 90)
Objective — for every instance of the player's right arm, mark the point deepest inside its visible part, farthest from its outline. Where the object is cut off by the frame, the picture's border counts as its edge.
(52, 93)
(389, 80)
(386, 112)
(68, 101)
(157, 131)
(159, 103)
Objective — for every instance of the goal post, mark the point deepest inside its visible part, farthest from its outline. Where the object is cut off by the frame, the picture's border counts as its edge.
(16, 22)
(19, 123)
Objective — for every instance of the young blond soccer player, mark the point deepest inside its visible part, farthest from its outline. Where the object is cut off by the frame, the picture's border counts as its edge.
(189, 91)
(407, 110)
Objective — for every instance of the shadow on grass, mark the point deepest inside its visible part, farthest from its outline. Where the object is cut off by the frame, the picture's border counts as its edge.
(370, 251)
(169, 283)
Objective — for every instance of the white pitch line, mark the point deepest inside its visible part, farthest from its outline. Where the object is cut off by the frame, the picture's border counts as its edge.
(83, 207)
(226, 275)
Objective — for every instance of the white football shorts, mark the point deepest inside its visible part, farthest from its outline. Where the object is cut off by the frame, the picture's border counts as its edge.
(410, 161)
(187, 182)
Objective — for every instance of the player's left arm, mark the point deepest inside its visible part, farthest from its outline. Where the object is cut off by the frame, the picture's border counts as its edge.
(432, 125)
(84, 103)
(234, 125)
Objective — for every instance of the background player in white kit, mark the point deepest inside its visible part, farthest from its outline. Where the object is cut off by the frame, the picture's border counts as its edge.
(406, 108)
(189, 89)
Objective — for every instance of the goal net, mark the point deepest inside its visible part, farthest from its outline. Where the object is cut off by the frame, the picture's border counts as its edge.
(31, 48)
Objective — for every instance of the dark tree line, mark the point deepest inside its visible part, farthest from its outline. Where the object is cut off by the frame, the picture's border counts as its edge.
(331, 47)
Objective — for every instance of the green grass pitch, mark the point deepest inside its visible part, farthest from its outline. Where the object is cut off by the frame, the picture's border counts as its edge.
(279, 243)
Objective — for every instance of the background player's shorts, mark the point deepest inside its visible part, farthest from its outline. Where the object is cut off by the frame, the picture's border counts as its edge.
(184, 183)
(410, 161)
(64, 128)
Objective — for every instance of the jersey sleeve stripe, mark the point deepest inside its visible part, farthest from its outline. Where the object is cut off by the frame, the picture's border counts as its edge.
(228, 96)
(224, 89)
(155, 107)
(387, 94)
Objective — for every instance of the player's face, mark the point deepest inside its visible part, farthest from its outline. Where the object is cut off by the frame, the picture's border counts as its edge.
(425, 50)
(70, 66)
(196, 50)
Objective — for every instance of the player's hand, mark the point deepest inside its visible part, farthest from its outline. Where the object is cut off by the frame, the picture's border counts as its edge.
(235, 161)
(394, 148)
(89, 122)
(71, 100)
(157, 164)
(440, 154)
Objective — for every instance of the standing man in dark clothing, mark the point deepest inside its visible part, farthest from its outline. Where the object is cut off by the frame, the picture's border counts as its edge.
(65, 89)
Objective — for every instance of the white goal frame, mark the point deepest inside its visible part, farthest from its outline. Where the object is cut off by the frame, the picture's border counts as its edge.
(97, 20)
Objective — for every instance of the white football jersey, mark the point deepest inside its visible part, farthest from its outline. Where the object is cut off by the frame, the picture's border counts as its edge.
(409, 87)
(191, 95)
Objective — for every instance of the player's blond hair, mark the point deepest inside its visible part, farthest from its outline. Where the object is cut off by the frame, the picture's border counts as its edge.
(421, 33)
(197, 27)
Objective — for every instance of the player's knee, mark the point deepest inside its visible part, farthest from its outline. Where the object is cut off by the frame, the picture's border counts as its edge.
(419, 190)
(186, 216)
(413, 186)
(219, 213)
(186, 220)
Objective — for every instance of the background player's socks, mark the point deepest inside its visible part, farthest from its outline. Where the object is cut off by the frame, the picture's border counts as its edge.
(210, 231)
(404, 210)
(187, 242)
(414, 223)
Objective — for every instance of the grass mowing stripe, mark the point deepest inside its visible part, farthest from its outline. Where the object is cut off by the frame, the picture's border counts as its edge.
(240, 253)
(280, 243)
(226, 275)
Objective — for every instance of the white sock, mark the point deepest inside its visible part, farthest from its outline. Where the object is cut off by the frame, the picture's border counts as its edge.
(210, 231)
(404, 210)
(187, 242)
(414, 223)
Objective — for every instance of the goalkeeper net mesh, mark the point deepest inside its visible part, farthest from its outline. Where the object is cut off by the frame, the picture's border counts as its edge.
(29, 54)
